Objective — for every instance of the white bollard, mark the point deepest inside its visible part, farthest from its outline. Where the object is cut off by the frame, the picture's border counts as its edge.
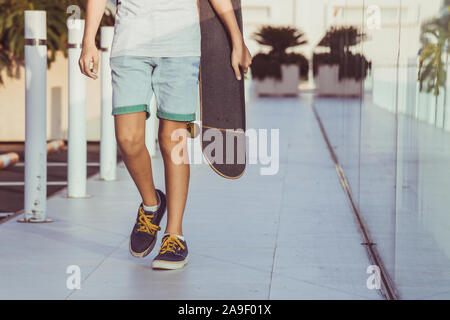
(35, 116)
(77, 146)
(151, 129)
(108, 145)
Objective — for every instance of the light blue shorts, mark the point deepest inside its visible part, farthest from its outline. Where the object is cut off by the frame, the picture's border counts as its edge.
(173, 80)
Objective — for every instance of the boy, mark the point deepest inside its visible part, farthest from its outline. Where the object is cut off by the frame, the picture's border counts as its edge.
(156, 50)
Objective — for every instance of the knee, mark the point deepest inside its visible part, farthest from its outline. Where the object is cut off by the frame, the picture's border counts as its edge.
(131, 142)
(169, 140)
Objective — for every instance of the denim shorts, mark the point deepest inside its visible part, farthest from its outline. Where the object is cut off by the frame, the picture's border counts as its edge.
(173, 80)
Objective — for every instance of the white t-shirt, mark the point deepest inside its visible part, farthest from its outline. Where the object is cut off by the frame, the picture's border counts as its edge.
(157, 28)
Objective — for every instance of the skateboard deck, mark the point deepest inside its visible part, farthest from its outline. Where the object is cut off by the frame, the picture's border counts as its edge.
(222, 99)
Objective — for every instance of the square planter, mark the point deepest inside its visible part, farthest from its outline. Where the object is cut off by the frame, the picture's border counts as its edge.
(287, 86)
(328, 83)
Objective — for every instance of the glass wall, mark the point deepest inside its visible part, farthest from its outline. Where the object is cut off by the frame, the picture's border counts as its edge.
(393, 139)
(422, 268)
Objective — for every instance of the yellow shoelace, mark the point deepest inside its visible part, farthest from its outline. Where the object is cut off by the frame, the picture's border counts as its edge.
(170, 244)
(145, 224)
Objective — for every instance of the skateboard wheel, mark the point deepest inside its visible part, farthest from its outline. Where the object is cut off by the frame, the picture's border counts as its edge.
(193, 129)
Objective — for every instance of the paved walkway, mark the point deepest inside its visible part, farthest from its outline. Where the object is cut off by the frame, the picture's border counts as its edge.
(286, 236)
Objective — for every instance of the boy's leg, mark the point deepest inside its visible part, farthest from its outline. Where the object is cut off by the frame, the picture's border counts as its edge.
(176, 173)
(175, 83)
(130, 135)
(132, 90)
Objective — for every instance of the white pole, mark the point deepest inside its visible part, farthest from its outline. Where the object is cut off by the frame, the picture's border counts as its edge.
(77, 147)
(151, 129)
(108, 146)
(35, 116)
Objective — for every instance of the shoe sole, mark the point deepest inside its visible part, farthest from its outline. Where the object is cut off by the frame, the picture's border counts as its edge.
(145, 252)
(168, 265)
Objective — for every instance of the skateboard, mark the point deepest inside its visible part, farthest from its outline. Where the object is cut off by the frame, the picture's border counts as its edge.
(222, 100)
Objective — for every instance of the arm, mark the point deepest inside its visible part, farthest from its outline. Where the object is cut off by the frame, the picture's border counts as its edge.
(89, 55)
(240, 57)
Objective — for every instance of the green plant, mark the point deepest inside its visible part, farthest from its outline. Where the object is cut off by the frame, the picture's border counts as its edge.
(433, 57)
(339, 41)
(351, 66)
(12, 29)
(265, 66)
(268, 66)
(279, 39)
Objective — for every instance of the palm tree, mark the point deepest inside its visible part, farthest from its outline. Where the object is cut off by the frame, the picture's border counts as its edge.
(339, 41)
(12, 29)
(433, 56)
(280, 38)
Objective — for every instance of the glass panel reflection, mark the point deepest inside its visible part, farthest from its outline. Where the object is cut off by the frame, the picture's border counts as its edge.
(393, 140)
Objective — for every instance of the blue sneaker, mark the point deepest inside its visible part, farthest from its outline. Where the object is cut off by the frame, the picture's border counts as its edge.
(143, 236)
(172, 255)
